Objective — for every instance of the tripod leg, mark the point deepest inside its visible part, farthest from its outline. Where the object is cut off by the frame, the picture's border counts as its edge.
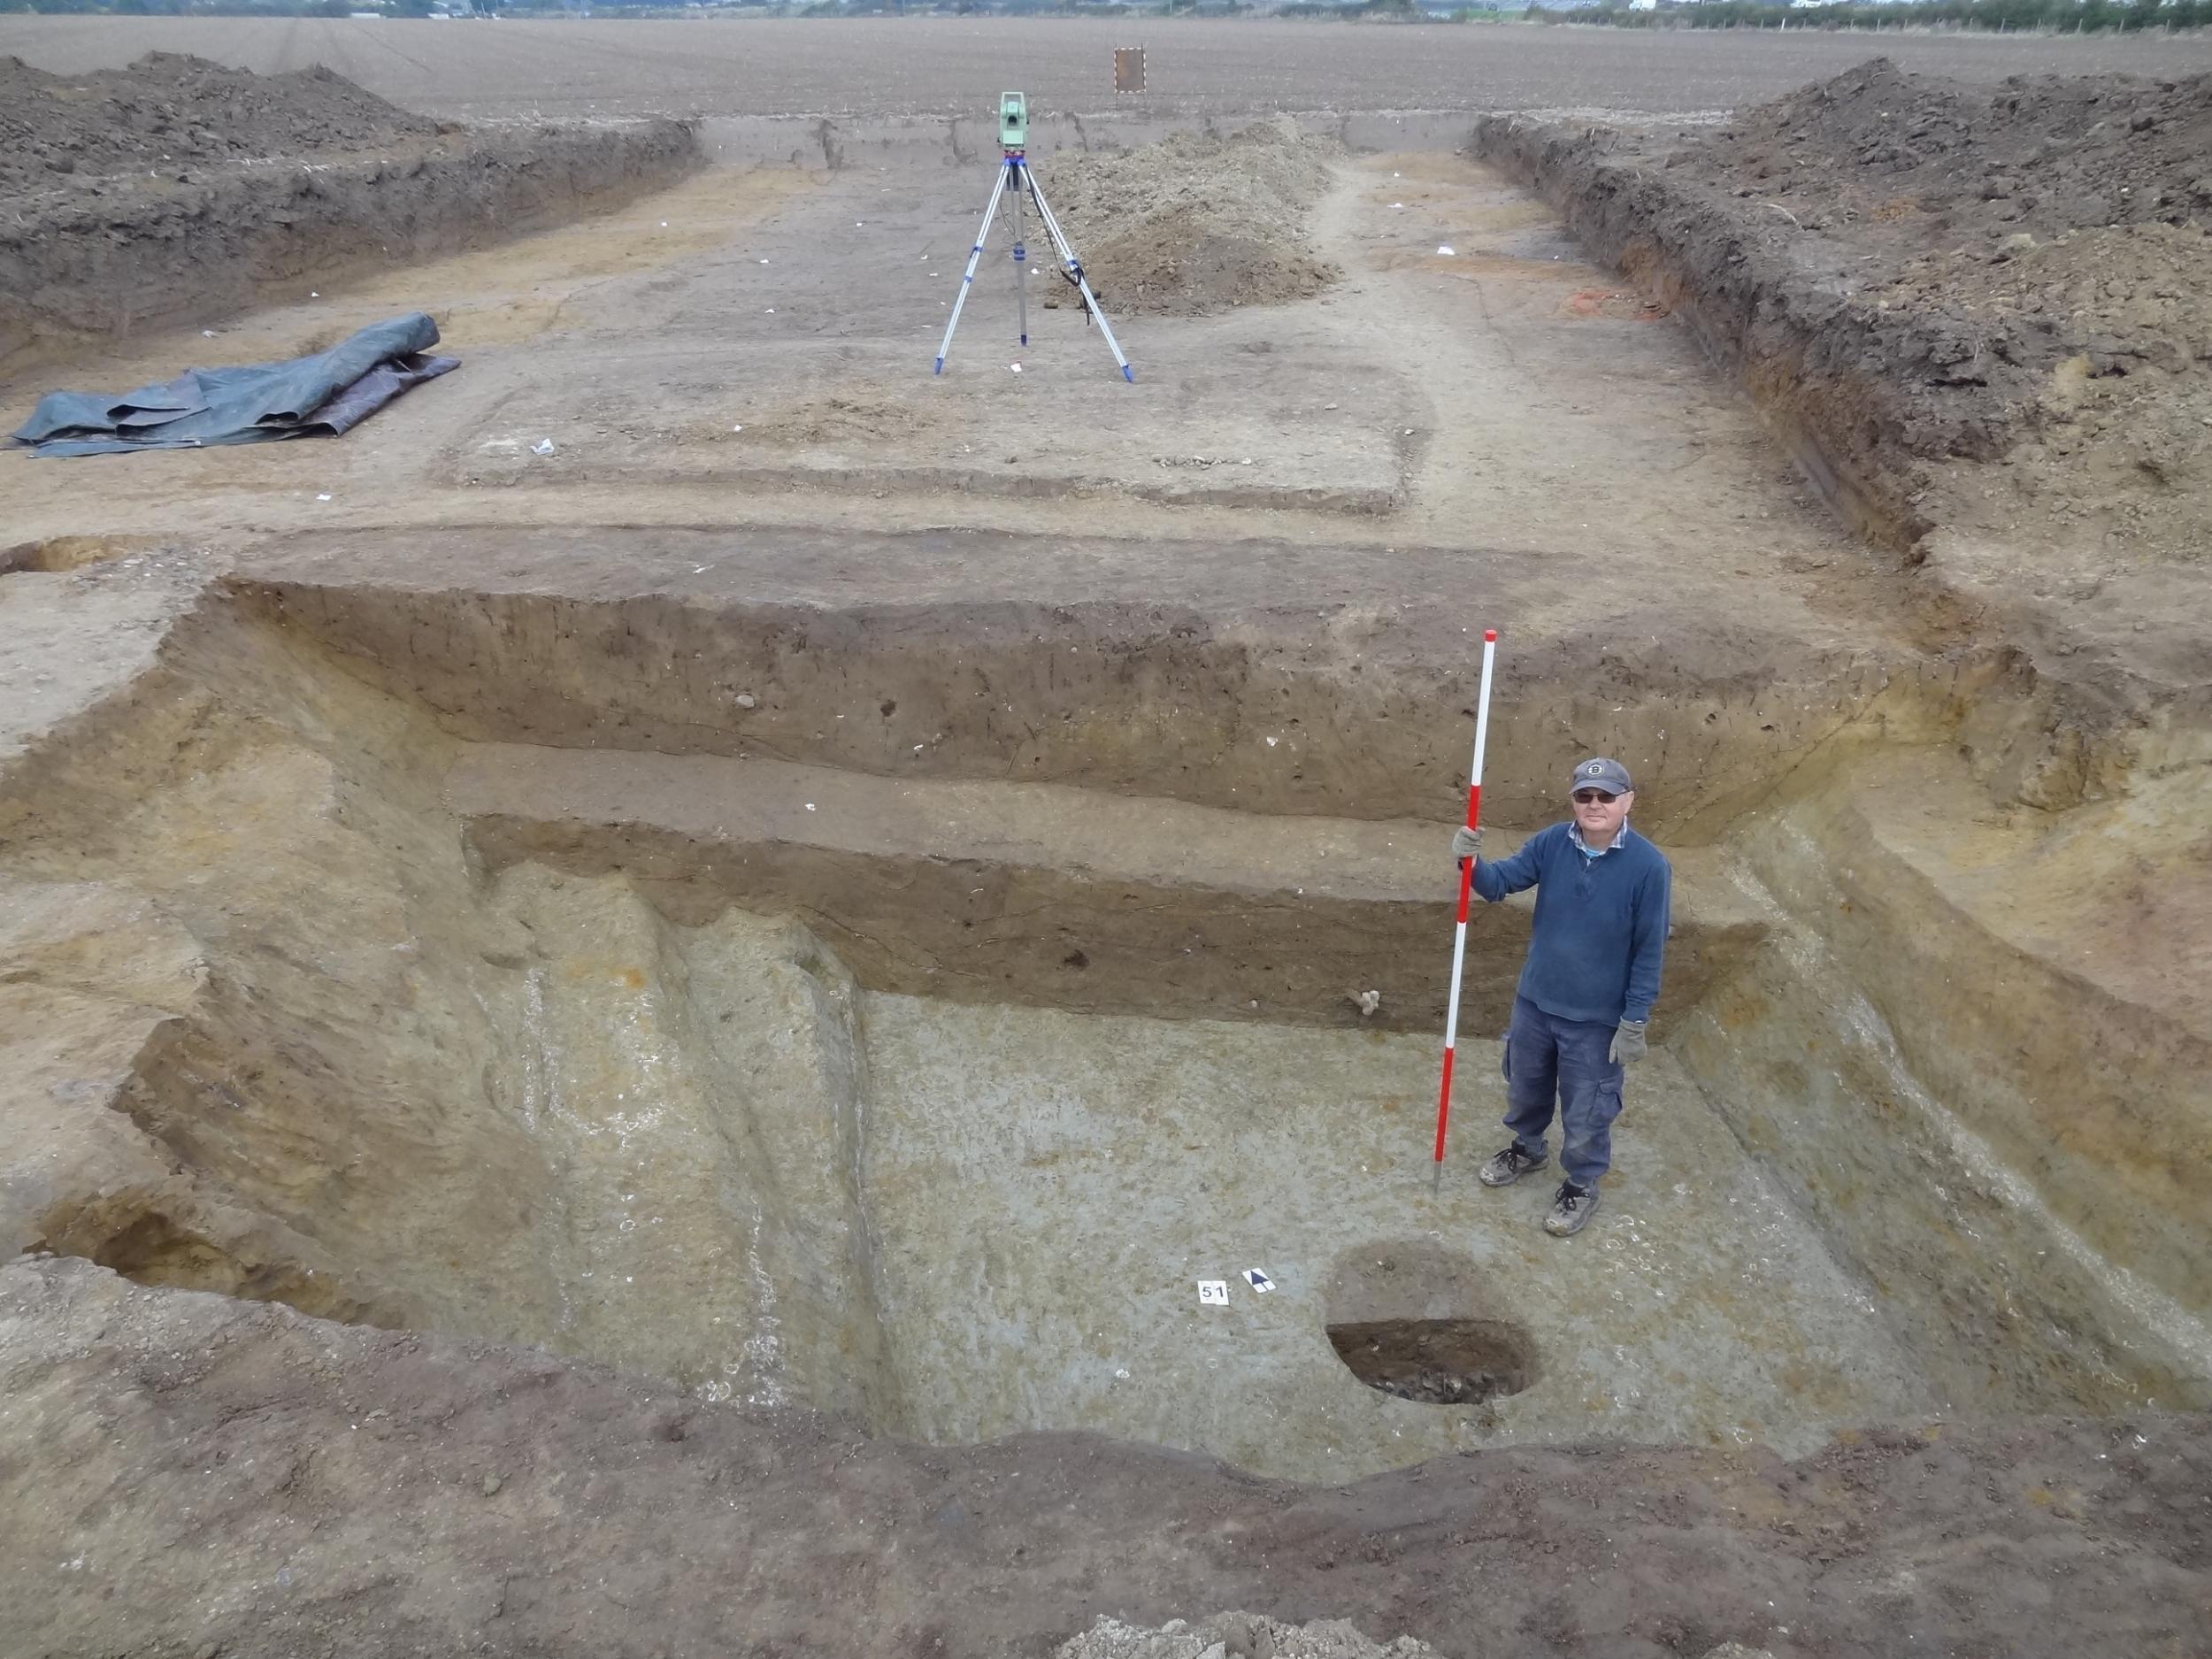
(1074, 268)
(1021, 253)
(968, 277)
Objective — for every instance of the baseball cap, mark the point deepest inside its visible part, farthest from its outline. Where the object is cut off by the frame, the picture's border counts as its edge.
(1600, 773)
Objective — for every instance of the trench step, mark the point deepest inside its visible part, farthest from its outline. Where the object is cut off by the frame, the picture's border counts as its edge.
(1051, 895)
(1260, 676)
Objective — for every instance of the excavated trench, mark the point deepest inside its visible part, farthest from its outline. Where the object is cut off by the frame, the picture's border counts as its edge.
(903, 1009)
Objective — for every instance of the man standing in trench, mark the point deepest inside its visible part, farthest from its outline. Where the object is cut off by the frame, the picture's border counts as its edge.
(1584, 1002)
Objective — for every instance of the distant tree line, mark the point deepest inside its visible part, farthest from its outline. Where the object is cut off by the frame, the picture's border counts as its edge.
(2055, 16)
(2007, 16)
(620, 8)
(2066, 16)
(248, 8)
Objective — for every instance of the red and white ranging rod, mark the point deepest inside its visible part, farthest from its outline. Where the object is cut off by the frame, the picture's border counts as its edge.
(1466, 887)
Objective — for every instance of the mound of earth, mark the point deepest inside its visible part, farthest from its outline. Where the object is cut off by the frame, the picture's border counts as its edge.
(167, 110)
(1929, 157)
(1196, 223)
(2044, 242)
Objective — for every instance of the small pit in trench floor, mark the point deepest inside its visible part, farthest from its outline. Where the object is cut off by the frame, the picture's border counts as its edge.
(1437, 1361)
(1416, 1320)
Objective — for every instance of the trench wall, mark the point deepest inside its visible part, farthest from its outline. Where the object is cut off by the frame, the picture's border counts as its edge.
(78, 270)
(2012, 1145)
(830, 143)
(269, 1032)
(1818, 384)
(1831, 378)
(1337, 710)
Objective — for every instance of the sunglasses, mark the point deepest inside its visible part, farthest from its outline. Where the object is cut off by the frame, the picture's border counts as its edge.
(1583, 797)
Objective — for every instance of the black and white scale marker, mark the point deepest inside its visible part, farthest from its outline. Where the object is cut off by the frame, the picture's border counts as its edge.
(1214, 1292)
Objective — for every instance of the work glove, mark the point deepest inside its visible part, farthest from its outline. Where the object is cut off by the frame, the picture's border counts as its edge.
(1466, 843)
(1628, 1042)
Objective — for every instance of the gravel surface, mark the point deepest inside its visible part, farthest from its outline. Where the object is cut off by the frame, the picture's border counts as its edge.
(1237, 1636)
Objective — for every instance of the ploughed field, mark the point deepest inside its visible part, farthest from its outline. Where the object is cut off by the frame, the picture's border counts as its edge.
(942, 67)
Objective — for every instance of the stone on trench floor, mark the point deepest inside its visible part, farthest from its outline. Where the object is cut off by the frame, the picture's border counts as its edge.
(1236, 1636)
(1048, 1190)
(1250, 1636)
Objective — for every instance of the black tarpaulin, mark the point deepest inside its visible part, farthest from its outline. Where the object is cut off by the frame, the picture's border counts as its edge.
(320, 395)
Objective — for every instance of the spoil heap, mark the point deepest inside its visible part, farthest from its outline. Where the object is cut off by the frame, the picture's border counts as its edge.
(169, 109)
(1196, 223)
(2030, 262)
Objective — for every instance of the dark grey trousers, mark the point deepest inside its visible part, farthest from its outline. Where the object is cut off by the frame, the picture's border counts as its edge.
(1552, 1065)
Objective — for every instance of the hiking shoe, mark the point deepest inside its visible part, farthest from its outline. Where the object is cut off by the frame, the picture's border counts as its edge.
(1509, 1166)
(1572, 1208)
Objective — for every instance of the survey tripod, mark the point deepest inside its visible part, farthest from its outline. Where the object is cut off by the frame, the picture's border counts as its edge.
(1015, 172)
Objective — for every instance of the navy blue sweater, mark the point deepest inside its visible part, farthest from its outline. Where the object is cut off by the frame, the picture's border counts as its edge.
(1601, 922)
